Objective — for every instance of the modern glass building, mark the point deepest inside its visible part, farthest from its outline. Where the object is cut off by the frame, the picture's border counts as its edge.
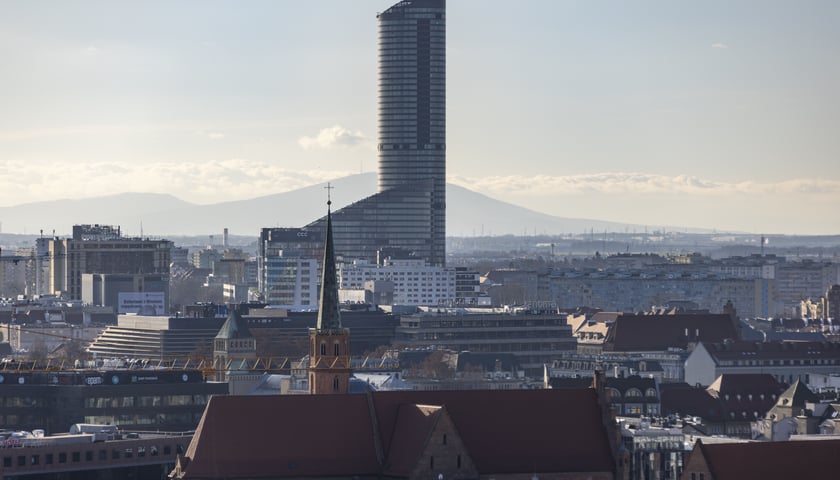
(409, 212)
(412, 106)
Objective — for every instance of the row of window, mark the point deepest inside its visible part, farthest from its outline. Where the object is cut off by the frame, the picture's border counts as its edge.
(76, 457)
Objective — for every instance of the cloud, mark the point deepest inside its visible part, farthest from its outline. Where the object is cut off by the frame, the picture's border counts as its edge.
(720, 45)
(616, 184)
(198, 182)
(215, 135)
(334, 137)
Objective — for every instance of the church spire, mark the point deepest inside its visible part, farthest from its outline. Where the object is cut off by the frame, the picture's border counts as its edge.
(329, 343)
(329, 316)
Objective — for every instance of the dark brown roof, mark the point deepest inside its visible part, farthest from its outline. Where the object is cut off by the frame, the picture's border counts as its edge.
(775, 350)
(332, 435)
(644, 333)
(538, 430)
(282, 436)
(772, 460)
(683, 399)
(411, 432)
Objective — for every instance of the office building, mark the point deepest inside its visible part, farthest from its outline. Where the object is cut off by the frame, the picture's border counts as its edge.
(409, 212)
(102, 249)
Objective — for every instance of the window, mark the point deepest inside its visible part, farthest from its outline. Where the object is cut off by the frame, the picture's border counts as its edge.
(36, 459)
(21, 460)
(115, 454)
(444, 439)
(77, 456)
(48, 459)
(335, 384)
(335, 349)
(62, 457)
(459, 460)
(323, 348)
(89, 456)
(7, 461)
(432, 462)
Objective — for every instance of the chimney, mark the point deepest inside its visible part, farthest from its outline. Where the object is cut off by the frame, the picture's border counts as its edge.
(225, 238)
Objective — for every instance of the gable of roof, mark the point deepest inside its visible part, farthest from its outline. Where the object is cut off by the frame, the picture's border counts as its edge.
(772, 460)
(412, 429)
(526, 425)
(643, 333)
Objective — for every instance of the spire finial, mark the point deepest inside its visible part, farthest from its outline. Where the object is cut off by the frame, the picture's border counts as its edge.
(328, 188)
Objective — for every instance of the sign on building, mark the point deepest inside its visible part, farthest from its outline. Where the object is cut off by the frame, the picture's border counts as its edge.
(143, 303)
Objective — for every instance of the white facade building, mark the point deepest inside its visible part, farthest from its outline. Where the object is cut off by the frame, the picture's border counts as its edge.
(414, 281)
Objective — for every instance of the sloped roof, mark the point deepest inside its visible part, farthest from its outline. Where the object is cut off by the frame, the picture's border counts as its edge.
(772, 460)
(644, 333)
(332, 435)
(537, 430)
(772, 350)
(234, 326)
(745, 397)
(283, 436)
(683, 399)
(796, 395)
(412, 429)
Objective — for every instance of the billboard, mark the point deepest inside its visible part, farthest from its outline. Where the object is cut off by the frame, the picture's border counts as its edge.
(142, 303)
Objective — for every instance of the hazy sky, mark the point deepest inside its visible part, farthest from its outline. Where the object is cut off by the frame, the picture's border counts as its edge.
(718, 114)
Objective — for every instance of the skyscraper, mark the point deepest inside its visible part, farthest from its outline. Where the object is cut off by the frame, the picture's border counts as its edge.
(408, 214)
(412, 105)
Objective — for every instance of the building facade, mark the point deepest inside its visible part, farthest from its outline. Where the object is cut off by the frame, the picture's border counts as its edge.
(409, 211)
(102, 249)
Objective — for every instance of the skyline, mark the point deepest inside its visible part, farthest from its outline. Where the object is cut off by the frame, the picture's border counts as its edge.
(707, 116)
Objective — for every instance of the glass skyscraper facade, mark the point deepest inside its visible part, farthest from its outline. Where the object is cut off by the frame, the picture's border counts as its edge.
(412, 106)
(409, 212)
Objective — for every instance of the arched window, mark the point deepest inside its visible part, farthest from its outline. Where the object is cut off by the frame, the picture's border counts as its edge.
(633, 392)
(335, 349)
(323, 348)
(651, 392)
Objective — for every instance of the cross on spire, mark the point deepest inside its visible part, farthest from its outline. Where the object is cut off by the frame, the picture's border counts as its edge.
(328, 188)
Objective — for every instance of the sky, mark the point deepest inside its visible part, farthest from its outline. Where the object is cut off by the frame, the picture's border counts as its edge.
(715, 114)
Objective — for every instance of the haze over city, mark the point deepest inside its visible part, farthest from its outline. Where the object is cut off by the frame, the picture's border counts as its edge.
(715, 115)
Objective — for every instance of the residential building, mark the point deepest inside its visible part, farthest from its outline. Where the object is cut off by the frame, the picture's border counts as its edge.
(786, 361)
(728, 406)
(763, 460)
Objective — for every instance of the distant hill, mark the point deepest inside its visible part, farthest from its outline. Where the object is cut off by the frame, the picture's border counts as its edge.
(468, 213)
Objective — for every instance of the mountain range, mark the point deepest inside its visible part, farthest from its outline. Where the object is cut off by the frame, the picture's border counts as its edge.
(468, 213)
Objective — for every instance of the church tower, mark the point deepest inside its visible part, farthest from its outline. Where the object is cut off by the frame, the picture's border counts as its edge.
(234, 348)
(329, 343)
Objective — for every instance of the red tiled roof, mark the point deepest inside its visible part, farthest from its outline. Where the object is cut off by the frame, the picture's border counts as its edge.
(772, 460)
(331, 435)
(642, 333)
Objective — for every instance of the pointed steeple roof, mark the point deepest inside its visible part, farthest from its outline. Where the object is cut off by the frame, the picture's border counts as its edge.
(329, 316)
(234, 327)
